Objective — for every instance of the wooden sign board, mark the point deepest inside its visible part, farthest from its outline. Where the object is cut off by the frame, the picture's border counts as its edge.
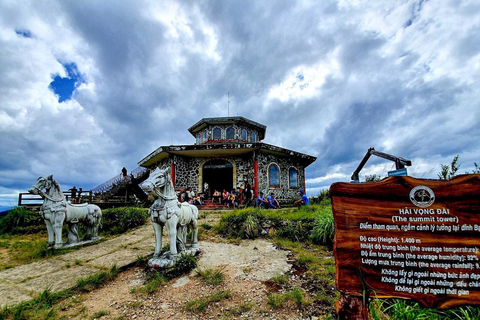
(409, 238)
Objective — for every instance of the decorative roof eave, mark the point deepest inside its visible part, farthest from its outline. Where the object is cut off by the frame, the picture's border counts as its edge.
(221, 150)
(305, 158)
(203, 123)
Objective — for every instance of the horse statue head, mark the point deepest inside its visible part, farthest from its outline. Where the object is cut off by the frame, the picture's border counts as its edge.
(51, 187)
(160, 184)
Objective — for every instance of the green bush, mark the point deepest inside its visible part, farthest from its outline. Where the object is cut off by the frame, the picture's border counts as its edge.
(120, 220)
(21, 221)
(241, 223)
(250, 223)
(399, 309)
(323, 227)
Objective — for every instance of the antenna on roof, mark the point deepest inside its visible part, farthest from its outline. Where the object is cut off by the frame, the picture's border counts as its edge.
(228, 104)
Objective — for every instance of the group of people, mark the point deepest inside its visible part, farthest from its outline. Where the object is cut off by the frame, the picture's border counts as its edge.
(233, 198)
(229, 199)
(193, 198)
(75, 195)
(272, 203)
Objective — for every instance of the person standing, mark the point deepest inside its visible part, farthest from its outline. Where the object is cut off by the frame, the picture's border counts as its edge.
(124, 173)
(248, 194)
(73, 192)
(225, 195)
(79, 196)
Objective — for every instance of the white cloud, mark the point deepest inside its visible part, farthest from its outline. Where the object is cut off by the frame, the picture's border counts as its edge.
(329, 78)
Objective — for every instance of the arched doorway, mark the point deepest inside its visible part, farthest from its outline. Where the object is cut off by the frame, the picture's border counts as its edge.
(219, 175)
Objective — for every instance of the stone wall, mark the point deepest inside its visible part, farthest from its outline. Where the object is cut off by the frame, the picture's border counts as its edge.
(188, 171)
(283, 192)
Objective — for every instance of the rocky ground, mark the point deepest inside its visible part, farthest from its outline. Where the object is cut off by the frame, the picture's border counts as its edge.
(248, 267)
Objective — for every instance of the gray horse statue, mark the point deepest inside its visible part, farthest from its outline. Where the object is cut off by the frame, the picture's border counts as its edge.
(177, 217)
(56, 211)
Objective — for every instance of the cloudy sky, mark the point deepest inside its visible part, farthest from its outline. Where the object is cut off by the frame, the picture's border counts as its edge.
(87, 87)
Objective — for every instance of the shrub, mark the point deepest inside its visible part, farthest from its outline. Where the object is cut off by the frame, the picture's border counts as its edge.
(323, 227)
(120, 220)
(211, 276)
(21, 221)
(185, 264)
(251, 223)
(96, 280)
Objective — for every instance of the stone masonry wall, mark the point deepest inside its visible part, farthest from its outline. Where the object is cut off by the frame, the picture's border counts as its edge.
(187, 173)
(284, 192)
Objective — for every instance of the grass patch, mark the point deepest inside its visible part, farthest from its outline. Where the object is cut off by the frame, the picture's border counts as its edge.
(280, 279)
(242, 308)
(211, 277)
(43, 307)
(250, 223)
(99, 314)
(96, 280)
(296, 296)
(206, 226)
(23, 249)
(154, 281)
(156, 278)
(119, 220)
(201, 304)
(409, 309)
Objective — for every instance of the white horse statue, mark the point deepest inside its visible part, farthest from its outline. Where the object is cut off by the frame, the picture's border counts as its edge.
(56, 211)
(178, 217)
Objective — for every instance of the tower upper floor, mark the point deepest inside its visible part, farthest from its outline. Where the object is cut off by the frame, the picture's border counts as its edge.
(227, 129)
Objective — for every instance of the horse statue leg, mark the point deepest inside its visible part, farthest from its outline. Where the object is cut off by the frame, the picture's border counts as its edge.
(58, 219)
(93, 222)
(72, 233)
(51, 232)
(194, 225)
(172, 224)
(97, 214)
(181, 237)
(157, 231)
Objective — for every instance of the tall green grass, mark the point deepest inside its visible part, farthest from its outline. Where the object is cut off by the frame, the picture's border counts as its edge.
(323, 231)
(314, 223)
(399, 309)
(119, 220)
(21, 221)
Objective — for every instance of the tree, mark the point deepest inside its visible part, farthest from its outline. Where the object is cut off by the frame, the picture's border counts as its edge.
(372, 178)
(448, 171)
(476, 171)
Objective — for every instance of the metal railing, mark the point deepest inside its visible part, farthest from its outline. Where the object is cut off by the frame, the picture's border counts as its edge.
(108, 185)
(26, 199)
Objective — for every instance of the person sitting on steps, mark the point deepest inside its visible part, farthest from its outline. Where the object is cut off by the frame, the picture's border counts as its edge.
(303, 201)
(261, 201)
(272, 202)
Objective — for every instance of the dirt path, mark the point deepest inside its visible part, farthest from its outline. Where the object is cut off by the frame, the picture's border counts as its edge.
(247, 267)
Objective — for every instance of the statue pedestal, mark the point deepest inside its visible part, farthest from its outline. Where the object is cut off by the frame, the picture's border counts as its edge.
(168, 260)
(78, 243)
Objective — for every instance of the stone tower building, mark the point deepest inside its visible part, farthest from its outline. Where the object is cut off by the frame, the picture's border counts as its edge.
(228, 154)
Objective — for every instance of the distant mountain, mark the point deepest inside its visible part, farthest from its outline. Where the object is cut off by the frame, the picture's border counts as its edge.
(4, 210)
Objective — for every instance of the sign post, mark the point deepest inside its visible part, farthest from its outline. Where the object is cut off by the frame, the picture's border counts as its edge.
(409, 238)
(399, 172)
